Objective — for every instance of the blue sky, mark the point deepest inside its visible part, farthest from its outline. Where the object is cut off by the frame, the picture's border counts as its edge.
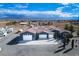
(39, 10)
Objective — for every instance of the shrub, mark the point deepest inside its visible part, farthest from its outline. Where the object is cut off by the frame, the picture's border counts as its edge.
(11, 23)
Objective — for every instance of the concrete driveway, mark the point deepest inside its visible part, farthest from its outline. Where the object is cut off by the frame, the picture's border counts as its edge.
(39, 42)
(34, 50)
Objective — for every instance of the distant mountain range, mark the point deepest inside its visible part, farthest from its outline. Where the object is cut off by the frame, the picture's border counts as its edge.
(36, 17)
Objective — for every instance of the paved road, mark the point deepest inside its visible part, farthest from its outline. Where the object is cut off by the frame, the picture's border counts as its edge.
(34, 50)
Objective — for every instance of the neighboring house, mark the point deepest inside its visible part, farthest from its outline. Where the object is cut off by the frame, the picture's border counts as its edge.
(24, 23)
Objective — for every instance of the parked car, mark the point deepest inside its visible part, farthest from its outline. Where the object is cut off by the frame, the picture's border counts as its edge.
(9, 30)
(3, 34)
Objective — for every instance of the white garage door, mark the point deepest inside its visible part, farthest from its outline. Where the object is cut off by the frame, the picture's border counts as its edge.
(42, 36)
(27, 37)
(51, 36)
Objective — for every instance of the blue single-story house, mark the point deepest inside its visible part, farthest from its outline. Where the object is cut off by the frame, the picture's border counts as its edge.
(28, 36)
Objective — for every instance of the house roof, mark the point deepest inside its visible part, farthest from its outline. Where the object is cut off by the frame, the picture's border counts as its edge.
(43, 33)
(38, 29)
(27, 32)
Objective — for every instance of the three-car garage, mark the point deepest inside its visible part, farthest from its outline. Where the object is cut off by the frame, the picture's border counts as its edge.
(36, 36)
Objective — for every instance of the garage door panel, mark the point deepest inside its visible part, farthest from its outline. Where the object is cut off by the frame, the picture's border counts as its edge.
(42, 36)
(51, 36)
(27, 37)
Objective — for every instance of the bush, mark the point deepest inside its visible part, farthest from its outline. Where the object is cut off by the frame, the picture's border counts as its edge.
(69, 27)
(11, 23)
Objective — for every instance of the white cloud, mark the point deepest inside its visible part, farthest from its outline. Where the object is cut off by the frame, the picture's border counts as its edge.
(58, 12)
(65, 3)
(21, 5)
(60, 8)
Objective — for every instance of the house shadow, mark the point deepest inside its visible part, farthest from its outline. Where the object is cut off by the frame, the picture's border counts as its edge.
(14, 41)
(59, 50)
(67, 50)
(17, 40)
(60, 46)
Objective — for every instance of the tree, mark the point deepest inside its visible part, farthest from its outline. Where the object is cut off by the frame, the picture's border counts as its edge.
(71, 28)
(66, 37)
